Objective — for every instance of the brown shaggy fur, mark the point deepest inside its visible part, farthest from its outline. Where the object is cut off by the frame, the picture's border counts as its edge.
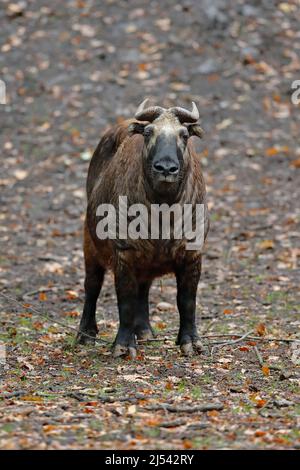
(116, 169)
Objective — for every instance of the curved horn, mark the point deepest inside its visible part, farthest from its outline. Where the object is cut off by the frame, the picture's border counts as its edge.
(184, 115)
(142, 106)
(148, 114)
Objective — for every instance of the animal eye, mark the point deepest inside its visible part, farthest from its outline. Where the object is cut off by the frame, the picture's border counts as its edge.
(148, 131)
(184, 134)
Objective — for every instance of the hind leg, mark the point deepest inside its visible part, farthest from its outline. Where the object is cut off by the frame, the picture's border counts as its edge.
(127, 295)
(93, 283)
(143, 328)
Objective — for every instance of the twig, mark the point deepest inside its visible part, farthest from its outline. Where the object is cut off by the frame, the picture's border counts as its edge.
(17, 393)
(38, 291)
(234, 341)
(172, 424)
(264, 407)
(261, 227)
(46, 316)
(261, 361)
(208, 327)
(165, 338)
(224, 335)
(260, 338)
(77, 396)
(259, 356)
(184, 409)
(151, 340)
(86, 396)
(134, 399)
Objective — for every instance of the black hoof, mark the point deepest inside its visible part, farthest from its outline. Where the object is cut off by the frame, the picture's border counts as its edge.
(125, 344)
(188, 349)
(86, 337)
(120, 350)
(144, 332)
(190, 344)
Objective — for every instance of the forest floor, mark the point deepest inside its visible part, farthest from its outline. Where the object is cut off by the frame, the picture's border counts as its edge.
(71, 68)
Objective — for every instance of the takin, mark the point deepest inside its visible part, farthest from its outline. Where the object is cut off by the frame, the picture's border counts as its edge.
(151, 161)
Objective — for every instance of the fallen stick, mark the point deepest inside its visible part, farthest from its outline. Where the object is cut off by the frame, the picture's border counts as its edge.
(208, 327)
(76, 396)
(262, 362)
(184, 409)
(165, 338)
(38, 291)
(51, 320)
(85, 396)
(151, 340)
(172, 424)
(133, 399)
(224, 335)
(234, 341)
(260, 338)
(259, 356)
(16, 394)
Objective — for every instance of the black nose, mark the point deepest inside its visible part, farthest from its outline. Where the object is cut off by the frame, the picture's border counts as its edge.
(166, 168)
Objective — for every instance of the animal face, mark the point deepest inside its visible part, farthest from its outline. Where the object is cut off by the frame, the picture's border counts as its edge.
(164, 147)
(165, 152)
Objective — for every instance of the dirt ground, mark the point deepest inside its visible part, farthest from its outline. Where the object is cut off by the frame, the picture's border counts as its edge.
(70, 69)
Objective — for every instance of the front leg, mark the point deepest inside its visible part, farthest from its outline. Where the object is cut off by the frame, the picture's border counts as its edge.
(143, 328)
(188, 275)
(127, 296)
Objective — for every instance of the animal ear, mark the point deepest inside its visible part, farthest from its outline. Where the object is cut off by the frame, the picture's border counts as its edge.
(136, 128)
(195, 129)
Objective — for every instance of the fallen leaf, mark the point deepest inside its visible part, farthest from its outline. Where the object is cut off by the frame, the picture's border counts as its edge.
(259, 433)
(266, 245)
(71, 295)
(169, 386)
(187, 444)
(153, 422)
(265, 370)
(295, 163)
(164, 306)
(224, 124)
(20, 174)
(49, 428)
(131, 410)
(213, 413)
(72, 314)
(260, 329)
(32, 398)
(42, 297)
(271, 151)
(86, 155)
(286, 7)
(227, 311)
(261, 403)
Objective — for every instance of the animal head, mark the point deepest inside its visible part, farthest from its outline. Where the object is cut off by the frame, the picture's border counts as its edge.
(165, 153)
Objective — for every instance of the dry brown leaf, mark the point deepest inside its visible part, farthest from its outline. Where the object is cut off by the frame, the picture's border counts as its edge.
(271, 151)
(227, 311)
(32, 398)
(265, 370)
(187, 444)
(169, 386)
(43, 297)
(261, 329)
(266, 245)
(295, 163)
(260, 433)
